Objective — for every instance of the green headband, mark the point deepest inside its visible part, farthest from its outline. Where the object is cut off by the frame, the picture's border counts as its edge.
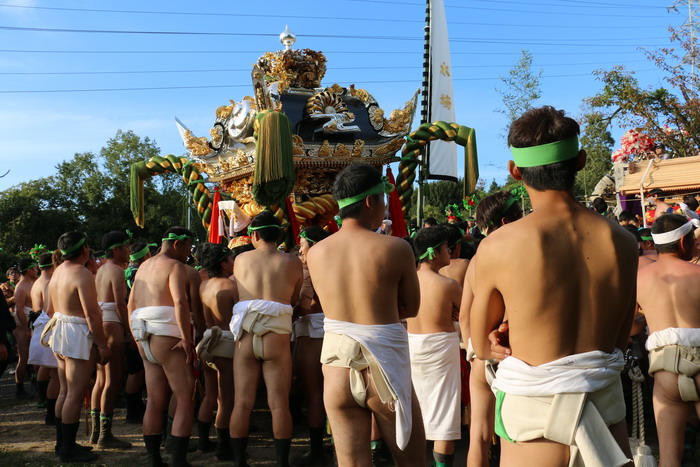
(260, 227)
(504, 210)
(141, 253)
(120, 244)
(303, 234)
(75, 247)
(224, 254)
(172, 237)
(546, 154)
(382, 187)
(43, 266)
(430, 253)
(29, 266)
(647, 239)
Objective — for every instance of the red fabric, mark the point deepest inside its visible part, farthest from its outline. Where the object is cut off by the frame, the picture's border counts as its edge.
(332, 226)
(293, 224)
(398, 223)
(214, 234)
(464, 370)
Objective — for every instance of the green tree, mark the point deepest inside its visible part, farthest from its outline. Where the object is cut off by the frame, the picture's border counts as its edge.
(521, 88)
(598, 142)
(668, 114)
(494, 187)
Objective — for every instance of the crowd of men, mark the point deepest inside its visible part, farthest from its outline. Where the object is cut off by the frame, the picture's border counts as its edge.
(375, 329)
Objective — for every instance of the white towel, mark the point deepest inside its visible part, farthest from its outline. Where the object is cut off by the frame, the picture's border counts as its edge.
(38, 354)
(389, 345)
(435, 372)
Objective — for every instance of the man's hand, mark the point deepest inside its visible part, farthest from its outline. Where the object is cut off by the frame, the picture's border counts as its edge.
(105, 355)
(188, 348)
(499, 342)
(3, 352)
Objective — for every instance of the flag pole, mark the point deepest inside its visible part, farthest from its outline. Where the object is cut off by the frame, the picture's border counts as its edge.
(425, 113)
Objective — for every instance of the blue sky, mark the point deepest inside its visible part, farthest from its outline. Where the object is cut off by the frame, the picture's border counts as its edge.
(569, 39)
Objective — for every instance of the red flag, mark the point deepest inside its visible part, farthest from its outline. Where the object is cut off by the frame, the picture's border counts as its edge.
(398, 223)
(214, 233)
(293, 224)
(333, 226)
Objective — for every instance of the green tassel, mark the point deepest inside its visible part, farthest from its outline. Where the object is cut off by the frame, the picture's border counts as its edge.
(274, 175)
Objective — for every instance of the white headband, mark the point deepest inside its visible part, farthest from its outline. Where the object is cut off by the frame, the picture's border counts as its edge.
(673, 235)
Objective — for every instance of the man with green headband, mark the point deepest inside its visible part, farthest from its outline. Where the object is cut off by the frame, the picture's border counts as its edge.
(111, 295)
(433, 343)
(160, 321)
(367, 284)
(77, 330)
(23, 307)
(268, 286)
(39, 355)
(648, 253)
(565, 279)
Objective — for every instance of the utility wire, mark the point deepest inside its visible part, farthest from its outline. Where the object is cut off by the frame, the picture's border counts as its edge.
(584, 4)
(414, 67)
(247, 85)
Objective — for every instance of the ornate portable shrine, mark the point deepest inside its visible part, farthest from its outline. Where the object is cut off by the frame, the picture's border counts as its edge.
(319, 131)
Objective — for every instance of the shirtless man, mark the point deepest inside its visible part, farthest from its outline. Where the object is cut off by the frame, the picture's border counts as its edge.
(366, 284)
(570, 307)
(492, 213)
(23, 306)
(648, 255)
(669, 293)
(458, 266)
(268, 285)
(8, 287)
(219, 294)
(77, 333)
(434, 345)
(47, 376)
(111, 294)
(159, 314)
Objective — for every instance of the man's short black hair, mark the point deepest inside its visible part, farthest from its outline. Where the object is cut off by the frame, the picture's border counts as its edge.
(600, 205)
(351, 181)
(454, 234)
(68, 241)
(45, 260)
(112, 238)
(24, 264)
(667, 223)
(542, 126)
(692, 202)
(270, 234)
(432, 237)
(241, 249)
(494, 208)
(634, 231)
(626, 216)
(431, 221)
(644, 233)
(315, 233)
(656, 192)
(211, 257)
(179, 230)
(11, 270)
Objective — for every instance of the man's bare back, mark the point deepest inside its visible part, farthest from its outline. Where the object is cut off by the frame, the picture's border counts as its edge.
(153, 280)
(359, 275)
(111, 288)
(456, 270)
(572, 252)
(267, 274)
(439, 302)
(40, 290)
(219, 294)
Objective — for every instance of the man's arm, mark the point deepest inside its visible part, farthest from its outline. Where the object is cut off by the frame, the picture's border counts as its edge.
(409, 288)
(467, 300)
(87, 292)
(177, 282)
(456, 294)
(488, 308)
(195, 300)
(20, 299)
(299, 271)
(626, 329)
(118, 284)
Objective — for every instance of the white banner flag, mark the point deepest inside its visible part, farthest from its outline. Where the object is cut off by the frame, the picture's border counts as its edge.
(443, 155)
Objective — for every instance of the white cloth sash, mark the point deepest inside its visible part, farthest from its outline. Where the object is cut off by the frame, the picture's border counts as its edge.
(71, 337)
(38, 354)
(263, 307)
(388, 343)
(156, 321)
(689, 337)
(310, 325)
(109, 312)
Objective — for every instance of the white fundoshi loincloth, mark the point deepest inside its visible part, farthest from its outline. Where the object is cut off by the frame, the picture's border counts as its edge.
(435, 372)
(38, 354)
(215, 343)
(109, 312)
(153, 321)
(677, 350)
(570, 401)
(258, 317)
(27, 310)
(71, 337)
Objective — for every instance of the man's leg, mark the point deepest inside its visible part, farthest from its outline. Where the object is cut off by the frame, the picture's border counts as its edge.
(350, 423)
(247, 371)
(482, 416)
(114, 380)
(277, 373)
(206, 409)
(62, 391)
(414, 453)
(78, 374)
(22, 336)
(308, 366)
(95, 401)
(671, 415)
(158, 392)
(225, 403)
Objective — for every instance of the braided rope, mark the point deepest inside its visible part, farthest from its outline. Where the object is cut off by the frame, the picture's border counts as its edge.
(190, 174)
(635, 374)
(462, 135)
